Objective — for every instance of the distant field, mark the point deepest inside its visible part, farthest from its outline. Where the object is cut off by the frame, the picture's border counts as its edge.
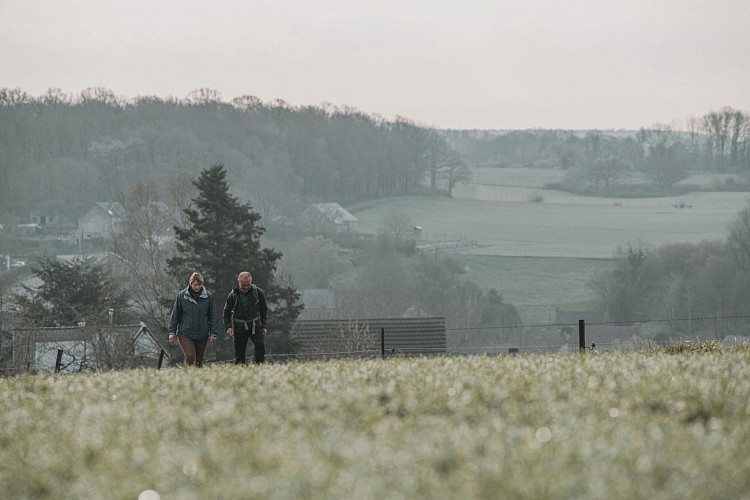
(536, 286)
(638, 425)
(498, 215)
(541, 255)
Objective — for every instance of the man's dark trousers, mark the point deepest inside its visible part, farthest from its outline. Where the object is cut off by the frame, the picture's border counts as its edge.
(240, 345)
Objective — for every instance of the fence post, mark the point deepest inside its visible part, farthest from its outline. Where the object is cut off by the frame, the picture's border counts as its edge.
(382, 342)
(58, 363)
(161, 358)
(581, 335)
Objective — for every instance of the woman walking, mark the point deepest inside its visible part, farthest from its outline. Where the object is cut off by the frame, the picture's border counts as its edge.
(193, 321)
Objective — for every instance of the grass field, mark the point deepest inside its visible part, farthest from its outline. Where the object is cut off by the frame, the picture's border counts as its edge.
(527, 229)
(494, 210)
(541, 255)
(641, 425)
(536, 285)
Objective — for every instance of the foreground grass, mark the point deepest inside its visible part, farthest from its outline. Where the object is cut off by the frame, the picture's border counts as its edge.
(624, 426)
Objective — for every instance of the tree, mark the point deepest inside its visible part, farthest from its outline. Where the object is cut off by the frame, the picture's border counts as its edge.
(739, 238)
(181, 190)
(397, 226)
(606, 172)
(666, 157)
(455, 173)
(315, 262)
(220, 237)
(624, 292)
(80, 290)
(142, 248)
(438, 154)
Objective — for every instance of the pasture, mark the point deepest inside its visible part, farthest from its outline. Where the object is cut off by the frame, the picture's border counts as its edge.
(496, 212)
(536, 286)
(540, 255)
(638, 425)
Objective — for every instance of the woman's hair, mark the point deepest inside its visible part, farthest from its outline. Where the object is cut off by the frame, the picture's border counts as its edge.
(196, 276)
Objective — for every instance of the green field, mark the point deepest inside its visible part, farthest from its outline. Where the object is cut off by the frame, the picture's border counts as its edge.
(639, 425)
(528, 229)
(495, 212)
(535, 285)
(541, 255)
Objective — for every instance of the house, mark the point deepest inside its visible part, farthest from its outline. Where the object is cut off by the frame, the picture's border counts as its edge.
(103, 221)
(328, 218)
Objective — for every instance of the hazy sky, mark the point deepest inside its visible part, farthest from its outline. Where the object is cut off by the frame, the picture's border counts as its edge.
(572, 64)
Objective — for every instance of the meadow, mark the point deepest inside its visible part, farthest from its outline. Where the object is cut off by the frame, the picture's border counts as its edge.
(638, 425)
(497, 211)
(542, 254)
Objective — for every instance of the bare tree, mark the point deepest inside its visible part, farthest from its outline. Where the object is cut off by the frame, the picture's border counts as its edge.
(180, 192)
(666, 160)
(725, 131)
(143, 248)
(454, 174)
(438, 155)
(397, 225)
(739, 237)
(347, 340)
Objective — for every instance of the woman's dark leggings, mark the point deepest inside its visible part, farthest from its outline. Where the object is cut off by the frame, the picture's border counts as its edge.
(240, 345)
(193, 350)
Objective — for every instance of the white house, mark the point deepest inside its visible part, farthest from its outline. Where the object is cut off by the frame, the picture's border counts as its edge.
(103, 221)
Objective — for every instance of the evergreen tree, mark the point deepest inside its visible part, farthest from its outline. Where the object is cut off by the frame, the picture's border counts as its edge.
(220, 237)
(72, 291)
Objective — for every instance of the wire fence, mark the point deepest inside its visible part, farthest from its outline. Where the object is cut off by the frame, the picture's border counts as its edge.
(98, 348)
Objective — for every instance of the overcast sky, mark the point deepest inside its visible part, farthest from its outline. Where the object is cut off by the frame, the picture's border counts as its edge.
(503, 64)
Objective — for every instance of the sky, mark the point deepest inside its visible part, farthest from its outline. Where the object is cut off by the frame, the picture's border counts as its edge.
(465, 64)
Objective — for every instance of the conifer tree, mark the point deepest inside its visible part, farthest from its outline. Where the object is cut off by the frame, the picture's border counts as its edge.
(71, 292)
(220, 237)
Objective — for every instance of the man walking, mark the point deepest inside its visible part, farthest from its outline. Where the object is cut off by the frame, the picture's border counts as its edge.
(245, 315)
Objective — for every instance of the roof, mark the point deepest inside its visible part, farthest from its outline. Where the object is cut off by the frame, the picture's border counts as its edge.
(335, 212)
(111, 208)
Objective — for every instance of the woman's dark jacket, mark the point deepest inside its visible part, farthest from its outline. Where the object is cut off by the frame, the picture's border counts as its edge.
(194, 317)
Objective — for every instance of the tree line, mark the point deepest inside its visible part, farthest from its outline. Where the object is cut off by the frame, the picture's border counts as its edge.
(63, 151)
(717, 142)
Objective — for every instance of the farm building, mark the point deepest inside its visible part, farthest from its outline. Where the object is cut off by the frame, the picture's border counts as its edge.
(328, 218)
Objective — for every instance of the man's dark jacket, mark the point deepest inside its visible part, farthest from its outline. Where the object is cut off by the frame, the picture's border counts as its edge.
(233, 310)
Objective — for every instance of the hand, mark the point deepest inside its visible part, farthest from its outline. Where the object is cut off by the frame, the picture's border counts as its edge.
(172, 338)
(211, 339)
(230, 332)
(265, 332)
